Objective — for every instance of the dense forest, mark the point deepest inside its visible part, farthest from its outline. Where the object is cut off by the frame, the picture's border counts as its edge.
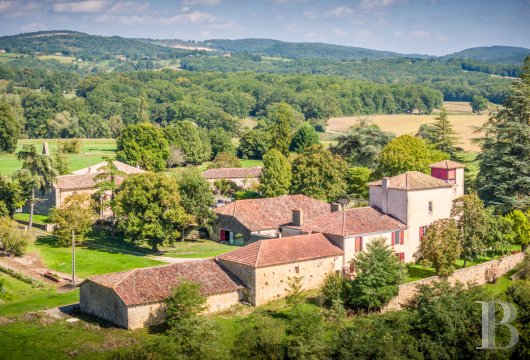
(493, 54)
(212, 100)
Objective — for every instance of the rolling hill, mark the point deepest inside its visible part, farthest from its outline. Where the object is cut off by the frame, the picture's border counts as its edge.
(493, 54)
(84, 45)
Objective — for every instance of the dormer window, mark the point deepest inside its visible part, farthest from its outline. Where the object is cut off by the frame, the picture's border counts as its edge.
(430, 207)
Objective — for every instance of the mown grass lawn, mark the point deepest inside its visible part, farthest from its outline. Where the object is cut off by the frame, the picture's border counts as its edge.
(37, 218)
(37, 339)
(197, 249)
(89, 261)
(92, 152)
(41, 299)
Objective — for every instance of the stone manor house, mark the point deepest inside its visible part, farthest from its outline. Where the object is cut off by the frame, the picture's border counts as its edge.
(283, 237)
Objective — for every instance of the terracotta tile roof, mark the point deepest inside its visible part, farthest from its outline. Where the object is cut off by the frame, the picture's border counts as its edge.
(447, 164)
(358, 221)
(128, 169)
(154, 284)
(412, 180)
(232, 173)
(73, 182)
(270, 213)
(283, 251)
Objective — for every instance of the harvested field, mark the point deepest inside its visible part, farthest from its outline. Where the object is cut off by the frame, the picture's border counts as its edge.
(459, 113)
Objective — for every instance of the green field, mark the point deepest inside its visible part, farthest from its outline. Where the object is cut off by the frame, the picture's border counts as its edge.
(37, 219)
(61, 59)
(197, 249)
(89, 261)
(92, 152)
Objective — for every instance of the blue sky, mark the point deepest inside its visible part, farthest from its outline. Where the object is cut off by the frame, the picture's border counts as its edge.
(410, 26)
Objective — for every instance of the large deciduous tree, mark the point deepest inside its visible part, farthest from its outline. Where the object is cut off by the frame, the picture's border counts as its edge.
(225, 160)
(378, 275)
(304, 137)
(76, 215)
(148, 208)
(276, 174)
(440, 246)
(143, 145)
(253, 144)
(357, 180)
(37, 173)
(362, 145)
(9, 128)
(196, 196)
(407, 153)
(185, 135)
(473, 223)
(520, 226)
(319, 174)
(479, 103)
(11, 196)
(504, 177)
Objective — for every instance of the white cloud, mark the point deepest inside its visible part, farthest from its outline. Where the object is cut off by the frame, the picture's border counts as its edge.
(201, 2)
(5, 5)
(420, 34)
(339, 11)
(193, 17)
(79, 7)
(374, 4)
(129, 7)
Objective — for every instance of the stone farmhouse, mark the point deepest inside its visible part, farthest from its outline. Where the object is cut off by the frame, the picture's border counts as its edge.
(80, 181)
(244, 178)
(286, 237)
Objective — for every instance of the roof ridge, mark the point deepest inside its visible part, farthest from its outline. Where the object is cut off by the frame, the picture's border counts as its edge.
(129, 273)
(258, 253)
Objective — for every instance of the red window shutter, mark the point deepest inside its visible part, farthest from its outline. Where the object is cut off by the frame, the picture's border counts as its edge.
(222, 235)
(401, 256)
(402, 237)
(358, 243)
(393, 238)
(421, 232)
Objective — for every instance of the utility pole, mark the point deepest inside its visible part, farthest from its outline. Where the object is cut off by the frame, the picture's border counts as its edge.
(73, 257)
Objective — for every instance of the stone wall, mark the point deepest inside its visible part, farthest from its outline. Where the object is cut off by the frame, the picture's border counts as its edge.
(474, 274)
(272, 281)
(245, 273)
(102, 302)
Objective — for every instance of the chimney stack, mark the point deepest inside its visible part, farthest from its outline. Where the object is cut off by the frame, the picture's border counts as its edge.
(384, 195)
(298, 217)
(336, 207)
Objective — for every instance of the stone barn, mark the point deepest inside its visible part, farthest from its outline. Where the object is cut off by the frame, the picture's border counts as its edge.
(134, 299)
(266, 265)
(244, 178)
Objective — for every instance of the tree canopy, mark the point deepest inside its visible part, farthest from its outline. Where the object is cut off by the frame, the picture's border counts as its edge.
(304, 137)
(276, 174)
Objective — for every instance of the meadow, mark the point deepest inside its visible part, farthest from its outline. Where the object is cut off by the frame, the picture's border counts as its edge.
(92, 152)
(459, 113)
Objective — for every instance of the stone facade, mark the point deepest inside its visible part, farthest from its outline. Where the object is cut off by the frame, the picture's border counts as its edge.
(270, 283)
(476, 274)
(101, 301)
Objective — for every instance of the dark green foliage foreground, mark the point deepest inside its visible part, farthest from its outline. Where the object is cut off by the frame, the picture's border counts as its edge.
(442, 322)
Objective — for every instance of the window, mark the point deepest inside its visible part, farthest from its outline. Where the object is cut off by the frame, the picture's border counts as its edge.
(423, 230)
(430, 207)
(358, 244)
(401, 256)
(398, 237)
(297, 269)
(224, 235)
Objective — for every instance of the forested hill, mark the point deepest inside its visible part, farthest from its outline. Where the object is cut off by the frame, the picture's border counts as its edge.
(493, 54)
(301, 50)
(86, 46)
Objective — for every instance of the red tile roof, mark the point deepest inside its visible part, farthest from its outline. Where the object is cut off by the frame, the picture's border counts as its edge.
(412, 180)
(270, 213)
(84, 181)
(447, 164)
(154, 284)
(232, 173)
(127, 169)
(358, 221)
(283, 251)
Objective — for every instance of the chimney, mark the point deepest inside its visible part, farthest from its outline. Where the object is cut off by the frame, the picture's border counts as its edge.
(336, 207)
(298, 217)
(384, 195)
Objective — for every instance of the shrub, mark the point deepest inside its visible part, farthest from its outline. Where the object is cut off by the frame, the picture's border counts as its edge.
(70, 146)
(12, 239)
(333, 290)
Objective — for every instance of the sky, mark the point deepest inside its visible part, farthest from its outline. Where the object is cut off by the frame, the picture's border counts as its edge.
(434, 27)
